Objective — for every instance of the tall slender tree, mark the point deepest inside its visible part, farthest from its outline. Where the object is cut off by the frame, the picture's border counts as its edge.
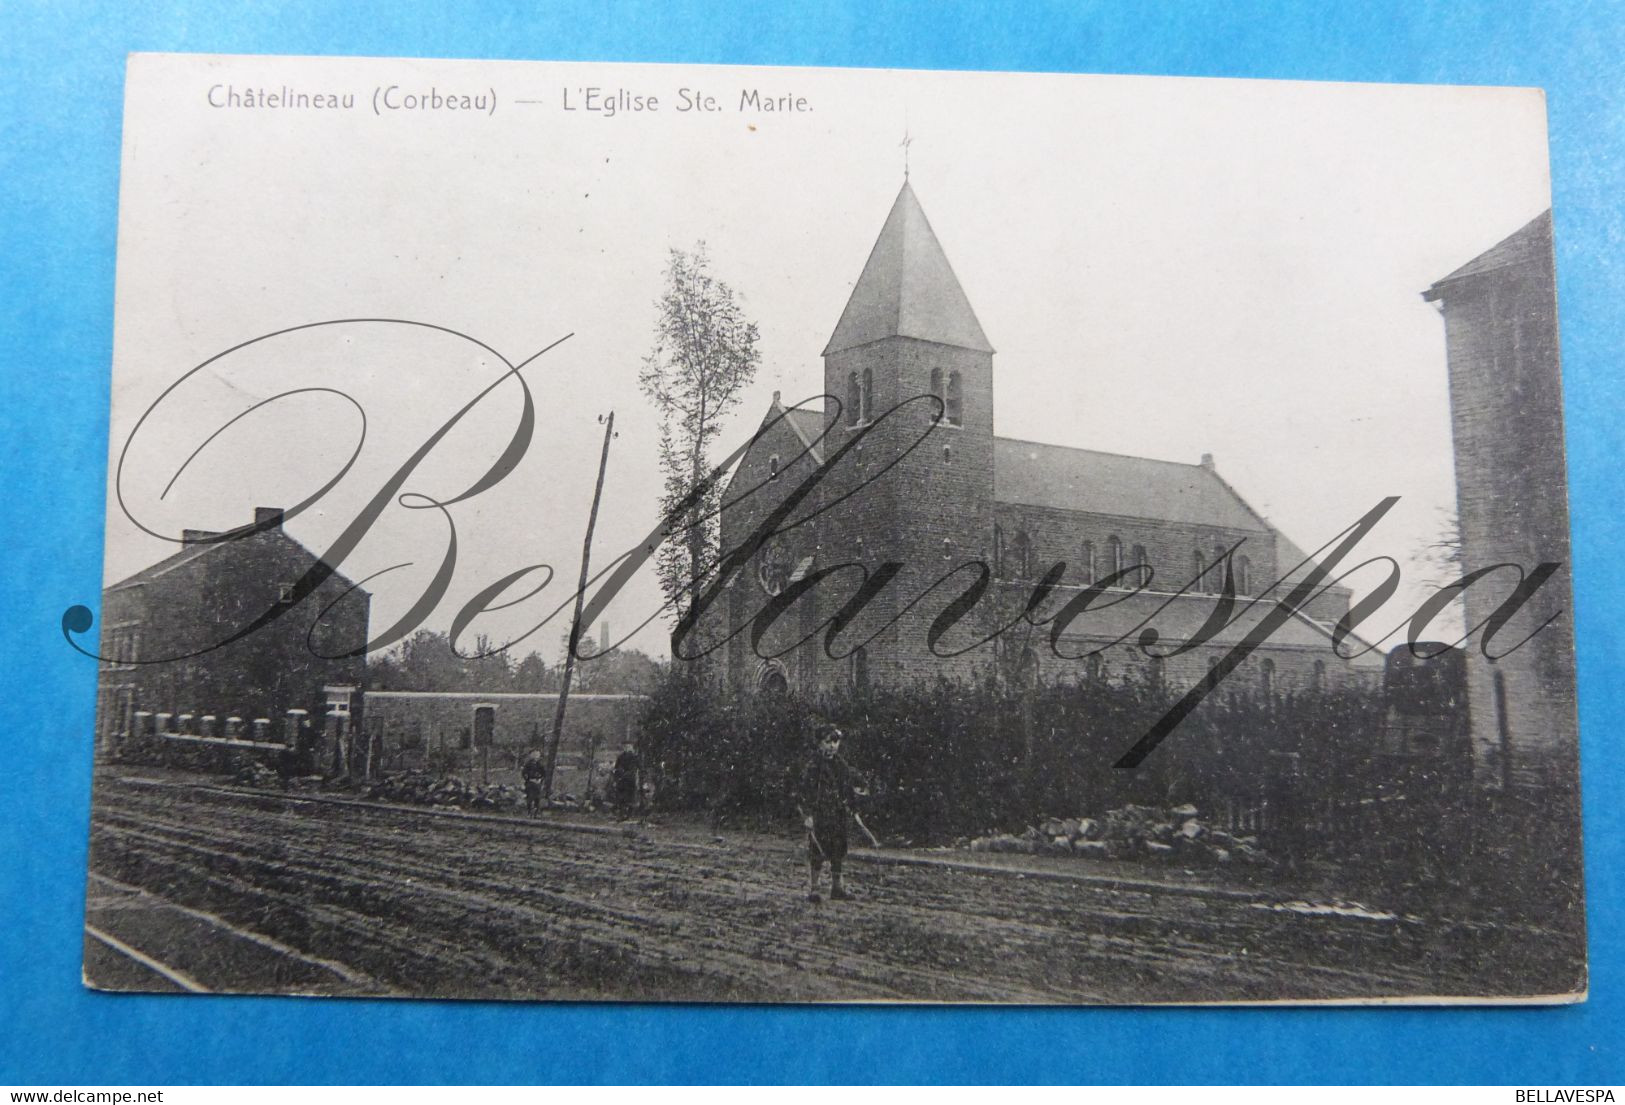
(704, 356)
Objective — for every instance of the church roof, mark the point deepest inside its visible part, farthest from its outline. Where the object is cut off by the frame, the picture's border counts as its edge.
(808, 425)
(908, 289)
(1032, 474)
(1529, 244)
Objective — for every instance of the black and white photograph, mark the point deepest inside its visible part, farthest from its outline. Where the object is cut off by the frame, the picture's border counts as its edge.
(609, 532)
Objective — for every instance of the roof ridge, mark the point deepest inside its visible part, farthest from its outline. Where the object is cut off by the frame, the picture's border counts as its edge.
(1099, 452)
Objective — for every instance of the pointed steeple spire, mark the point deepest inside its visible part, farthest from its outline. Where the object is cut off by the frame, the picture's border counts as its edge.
(908, 289)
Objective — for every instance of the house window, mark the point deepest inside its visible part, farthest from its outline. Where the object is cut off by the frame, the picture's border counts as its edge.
(285, 592)
(1095, 666)
(1266, 677)
(955, 403)
(1142, 566)
(854, 400)
(1114, 558)
(1027, 669)
(1320, 675)
(1088, 562)
(1021, 551)
(936, 392)
(868, 394)
(1503, 728)
(1157, 675)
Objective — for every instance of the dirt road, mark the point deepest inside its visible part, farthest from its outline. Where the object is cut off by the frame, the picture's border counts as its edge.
(241, 891)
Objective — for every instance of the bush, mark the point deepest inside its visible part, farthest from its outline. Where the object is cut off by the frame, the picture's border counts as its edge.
(952, 760)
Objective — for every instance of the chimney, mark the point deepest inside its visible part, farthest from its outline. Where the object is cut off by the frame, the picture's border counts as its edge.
(1207, 461)
(268, 516)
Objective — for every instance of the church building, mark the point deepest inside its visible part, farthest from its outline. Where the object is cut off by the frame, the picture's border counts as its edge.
(907, 490)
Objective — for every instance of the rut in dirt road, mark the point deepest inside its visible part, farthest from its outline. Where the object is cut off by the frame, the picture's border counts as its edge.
(448, 906)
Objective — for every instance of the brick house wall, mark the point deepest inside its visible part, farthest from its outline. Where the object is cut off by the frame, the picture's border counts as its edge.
(201, 595)
(1500, 318)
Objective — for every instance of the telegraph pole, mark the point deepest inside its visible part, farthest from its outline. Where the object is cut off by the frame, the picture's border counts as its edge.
(575, 621)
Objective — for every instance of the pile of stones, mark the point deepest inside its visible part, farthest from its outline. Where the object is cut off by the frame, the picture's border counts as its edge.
(1176, 834)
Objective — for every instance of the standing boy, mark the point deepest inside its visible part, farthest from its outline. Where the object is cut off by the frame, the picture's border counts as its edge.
(828, 786)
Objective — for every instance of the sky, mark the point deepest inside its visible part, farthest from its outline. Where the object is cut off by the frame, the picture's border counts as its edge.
(1165, 267)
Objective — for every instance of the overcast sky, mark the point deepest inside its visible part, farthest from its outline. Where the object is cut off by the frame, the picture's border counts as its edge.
(1165, 267)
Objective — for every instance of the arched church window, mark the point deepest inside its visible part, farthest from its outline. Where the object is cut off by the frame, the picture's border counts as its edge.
(954, 402)
(1114, 557)
(1142, 566)
(1088, 560)
(1198, 571)
(936, 392)
(854, 400)
(773, 467)
(1244, 576)
(868, 408)
(1221, 567)
(1021, 552)
(947, 548)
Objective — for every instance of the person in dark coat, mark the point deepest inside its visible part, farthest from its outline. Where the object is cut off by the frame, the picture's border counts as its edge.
(829, 786)
(533, 772)
(626, 782)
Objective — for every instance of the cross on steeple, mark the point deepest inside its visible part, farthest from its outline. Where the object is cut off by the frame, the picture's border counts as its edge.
(905, 143)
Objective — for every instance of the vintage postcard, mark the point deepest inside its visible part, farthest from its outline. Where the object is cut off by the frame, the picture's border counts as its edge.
(686, 533)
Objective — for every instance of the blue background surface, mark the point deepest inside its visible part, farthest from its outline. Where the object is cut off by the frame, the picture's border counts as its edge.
(61, 83)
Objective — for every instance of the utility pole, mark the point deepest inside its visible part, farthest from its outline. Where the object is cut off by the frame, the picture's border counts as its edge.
(575, 621)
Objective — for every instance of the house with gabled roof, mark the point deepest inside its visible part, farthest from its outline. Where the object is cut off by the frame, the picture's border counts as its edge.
(166, 635)
(913, 490)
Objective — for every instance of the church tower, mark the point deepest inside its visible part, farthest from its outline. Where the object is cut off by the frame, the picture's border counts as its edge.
(908, 333)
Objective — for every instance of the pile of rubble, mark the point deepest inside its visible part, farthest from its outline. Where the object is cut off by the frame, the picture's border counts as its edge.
(419, 788)
(1132, 831)
(255, 774)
